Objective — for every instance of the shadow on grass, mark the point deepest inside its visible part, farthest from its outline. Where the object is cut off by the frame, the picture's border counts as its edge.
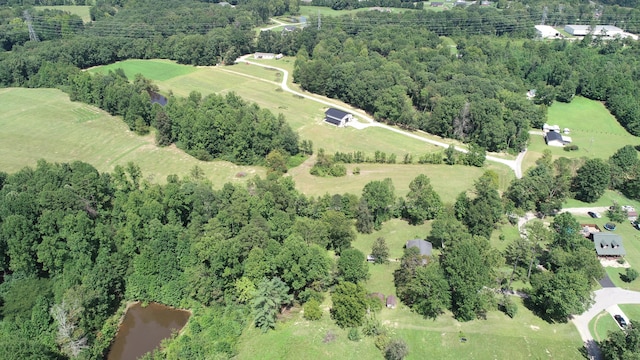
(549, 318)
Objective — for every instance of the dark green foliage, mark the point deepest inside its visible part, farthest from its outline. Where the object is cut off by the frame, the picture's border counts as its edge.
(327, 165)
(508, 306)
(276, 162)
(340, 230)
(558, 295)
(349, 304)
(379, 196)
(380, 251)
(591, 180)
(543, 188)
(571, 147)
(422, 203)
(486, 209)
(312, 310)
(446, 229)
(616, 213)
(469, 266)
(352, 266)
(270, 296)
(354, 334)
(630, 274)
(397, 349)
(427, 291)
(364, 218)
(622, 345)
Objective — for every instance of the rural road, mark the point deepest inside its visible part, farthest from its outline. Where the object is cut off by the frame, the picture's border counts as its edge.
(515, 165)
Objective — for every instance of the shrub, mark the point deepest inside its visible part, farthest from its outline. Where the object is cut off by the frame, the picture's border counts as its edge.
(397, 349)
(354, 334)
(382, 341)
(372, 327)
(509, 307)
(630, 275)
(356, 171)
(571, 148)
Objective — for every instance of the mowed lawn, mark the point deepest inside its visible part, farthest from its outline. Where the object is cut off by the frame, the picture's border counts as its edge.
(593, 129)
(43, 124)
(631, 310)
(601, 325)
(159, 70)
(82, 11)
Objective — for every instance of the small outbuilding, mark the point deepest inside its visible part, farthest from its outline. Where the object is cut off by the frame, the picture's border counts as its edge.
(608, 245)
(553, 138)
(391, 302)
(546, 32)
(337, 117)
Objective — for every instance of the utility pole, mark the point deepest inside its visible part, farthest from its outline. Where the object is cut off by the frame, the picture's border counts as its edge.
(32, 34)
(319, 21)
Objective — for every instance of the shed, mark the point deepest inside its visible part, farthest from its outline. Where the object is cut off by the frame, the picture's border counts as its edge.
(391, 302)
(608, 245)
(289, 28)
(371, 258)
(337, 117)
(553, 138)
(546, 32)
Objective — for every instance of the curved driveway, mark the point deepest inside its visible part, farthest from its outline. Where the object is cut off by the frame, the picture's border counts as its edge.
(515, 165)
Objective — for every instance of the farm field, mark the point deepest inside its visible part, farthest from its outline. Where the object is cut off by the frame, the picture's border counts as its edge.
(592, 128)
(159, 70)
(43, 124)
(82, 11)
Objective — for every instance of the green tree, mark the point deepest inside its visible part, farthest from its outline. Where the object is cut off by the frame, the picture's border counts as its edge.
(364, 219)
(349, 304)
(427, 291)
(622, 345)
(352, 266)
(276, 162)
(630, 274)
(469, 266)
(312, 310)
(380, 197)
(380, 251)
(397, 349)
(450, 155)
(269, 298)
(591, 180)
(422, 203)
(558, 295)
(340, 230)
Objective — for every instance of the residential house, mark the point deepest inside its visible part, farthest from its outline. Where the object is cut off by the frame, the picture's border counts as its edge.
(423, 246)
(608, 245)
(337, 117)
(436, 4)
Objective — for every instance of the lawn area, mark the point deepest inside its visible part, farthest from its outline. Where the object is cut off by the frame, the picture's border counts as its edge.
(448, 181)
(631, 310)
(157, 70)
(602, 324)
(607, 199)
(396, 233)
(43, 124)
(82, 11)
(593, 129)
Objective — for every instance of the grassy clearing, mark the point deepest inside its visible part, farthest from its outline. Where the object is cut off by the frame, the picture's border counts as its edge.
(448, 181)
(601, 325)
(159, 70)
(631, 310)
(396, 233)
(593, 129)
(607, 199)
(43, 124)
(82, 11)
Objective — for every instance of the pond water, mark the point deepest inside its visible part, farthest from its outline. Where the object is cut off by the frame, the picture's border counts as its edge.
(157, 98)
(143, 328)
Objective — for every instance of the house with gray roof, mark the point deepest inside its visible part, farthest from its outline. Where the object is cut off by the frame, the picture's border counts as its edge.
(423, 246)
(608, 245)
(337, 117)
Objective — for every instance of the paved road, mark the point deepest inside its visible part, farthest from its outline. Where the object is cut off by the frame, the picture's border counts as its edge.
(515, 165)
(605, 299)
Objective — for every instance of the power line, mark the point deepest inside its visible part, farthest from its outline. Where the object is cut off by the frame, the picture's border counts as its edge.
(32, 34)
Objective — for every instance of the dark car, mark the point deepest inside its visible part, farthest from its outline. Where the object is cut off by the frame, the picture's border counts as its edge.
(621, 321)
(594, 214)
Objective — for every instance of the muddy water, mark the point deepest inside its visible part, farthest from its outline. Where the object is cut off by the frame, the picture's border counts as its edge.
(144, 328)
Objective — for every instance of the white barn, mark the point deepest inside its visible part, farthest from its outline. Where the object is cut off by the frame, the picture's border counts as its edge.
(598, 30)
(337, 117)
(547, 32)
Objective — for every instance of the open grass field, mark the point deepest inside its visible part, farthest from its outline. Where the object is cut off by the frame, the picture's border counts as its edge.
(631, 310)
(43, 124)
(498, 337)
(593, 129)
(601, 325)
(158, 70)
(607, 199)
(82, 11)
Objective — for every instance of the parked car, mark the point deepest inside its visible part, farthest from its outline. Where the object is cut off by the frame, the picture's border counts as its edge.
(621, 321)
(594, 214)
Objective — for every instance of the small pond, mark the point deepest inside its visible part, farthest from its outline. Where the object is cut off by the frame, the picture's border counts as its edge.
(158, 98)
(143, 328)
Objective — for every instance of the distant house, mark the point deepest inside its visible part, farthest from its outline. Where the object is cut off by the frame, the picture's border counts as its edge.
(436, 4)
(423, 246)
(371, 258)
(381, 9)
(337, 117)
(547, 32)
(547, 127)
(289, 28)
(531, 94)
(266, 56)
(597, 30)
(485, 3)
(608, 245)
(391, 302)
